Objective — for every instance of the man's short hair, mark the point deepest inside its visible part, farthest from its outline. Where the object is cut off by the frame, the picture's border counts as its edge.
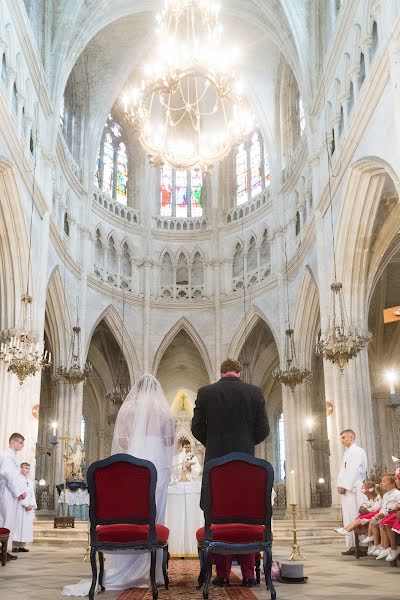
(16, 436)
(24, 464)
(230, 365)
(348, 431)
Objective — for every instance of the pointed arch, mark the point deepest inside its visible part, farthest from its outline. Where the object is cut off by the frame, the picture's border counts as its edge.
(58, 323)
(113, 319)
(307, 316)
(245, 327)
(185, 325)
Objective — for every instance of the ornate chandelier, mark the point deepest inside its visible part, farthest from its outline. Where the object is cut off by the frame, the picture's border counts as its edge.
(189, 109)
(289, 373)
(75, 373)
(341, 342)
(22, 352)
(117, 395)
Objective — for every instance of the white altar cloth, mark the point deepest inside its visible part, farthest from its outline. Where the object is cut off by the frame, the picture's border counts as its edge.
(184, 517)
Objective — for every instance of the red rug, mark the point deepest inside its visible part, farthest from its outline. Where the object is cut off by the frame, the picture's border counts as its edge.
(183, 580)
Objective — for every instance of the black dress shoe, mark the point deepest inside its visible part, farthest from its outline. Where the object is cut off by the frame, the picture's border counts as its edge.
(23, 550)
(11, 557)
(349, 552)
(249, 583)
(220, 581)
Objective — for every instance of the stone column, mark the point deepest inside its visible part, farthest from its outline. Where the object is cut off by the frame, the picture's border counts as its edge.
(146, 314)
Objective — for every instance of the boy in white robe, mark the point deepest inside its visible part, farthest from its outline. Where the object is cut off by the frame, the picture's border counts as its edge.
(25, 513)
(352, 473)
(12, 485)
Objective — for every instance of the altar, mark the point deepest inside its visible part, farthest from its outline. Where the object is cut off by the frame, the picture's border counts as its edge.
(184, 517)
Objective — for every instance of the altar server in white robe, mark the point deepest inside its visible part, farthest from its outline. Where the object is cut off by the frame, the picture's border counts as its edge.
(25, 513)
(352, 473)
(12, 485)
(186, 466)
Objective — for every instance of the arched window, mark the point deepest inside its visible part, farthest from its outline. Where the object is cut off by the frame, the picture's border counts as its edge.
(4, 70)
(374, 40)
(265, 250)
(361, 75)
(281, 447)
(197, 270)
(351, 98)
(167, 272)
(112, 162)
(252, 255)
(66, 224)
(182, 272)
(253, 172)
(112, 263)
(98, 250)
(126, 261)
(181, 193)
(238, 261)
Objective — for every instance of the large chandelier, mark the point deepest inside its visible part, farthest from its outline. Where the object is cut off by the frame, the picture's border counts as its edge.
(117, 395)
(75, 373)
(289, 373)
(340, 342)
(22, 351)
(188, 108)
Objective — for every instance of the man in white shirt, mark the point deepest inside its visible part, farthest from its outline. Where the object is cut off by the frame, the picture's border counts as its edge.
(12, 485)
(352, 473)
(186, 466)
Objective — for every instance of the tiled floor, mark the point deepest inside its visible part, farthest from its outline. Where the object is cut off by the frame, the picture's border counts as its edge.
(41, 574)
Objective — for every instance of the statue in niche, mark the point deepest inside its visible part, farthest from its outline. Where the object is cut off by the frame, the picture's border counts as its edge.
(76, 461)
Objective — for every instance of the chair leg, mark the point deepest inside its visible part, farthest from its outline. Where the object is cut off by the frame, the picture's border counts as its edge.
(153, 560)
(267, 572)
(101, 574)
(258, 571)
(165, 566)
(357, 543)
(93, 563)
(202, 575)
(4, 543)
(208, 571)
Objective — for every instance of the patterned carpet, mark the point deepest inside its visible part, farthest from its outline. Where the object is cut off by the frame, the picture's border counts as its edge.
(183, 579)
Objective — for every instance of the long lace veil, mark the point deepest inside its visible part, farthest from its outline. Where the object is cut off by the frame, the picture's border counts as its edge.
(144, 426)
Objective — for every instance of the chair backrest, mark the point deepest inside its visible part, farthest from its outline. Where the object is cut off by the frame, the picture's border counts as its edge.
(122, 490)
(237, 489)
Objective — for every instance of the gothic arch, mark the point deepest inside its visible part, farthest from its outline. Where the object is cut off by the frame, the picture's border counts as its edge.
(58, 323)
(307, 317)
(185, 325)
(112, 318)
(245, 327)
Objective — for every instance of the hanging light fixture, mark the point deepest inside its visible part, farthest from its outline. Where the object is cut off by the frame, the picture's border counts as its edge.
(75, 373)
(341, 342)
(289, 373)
(117, 395)
(189, 108)
(23, 352)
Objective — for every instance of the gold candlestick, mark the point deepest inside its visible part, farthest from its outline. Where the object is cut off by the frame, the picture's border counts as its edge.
(295, 545)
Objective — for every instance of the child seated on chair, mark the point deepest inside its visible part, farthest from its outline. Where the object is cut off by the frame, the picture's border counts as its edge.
(390, 528)
(386, 516)
(368, 509)
(25, 513)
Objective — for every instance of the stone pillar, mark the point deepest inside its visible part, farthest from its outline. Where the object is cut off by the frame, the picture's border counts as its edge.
(146, 314)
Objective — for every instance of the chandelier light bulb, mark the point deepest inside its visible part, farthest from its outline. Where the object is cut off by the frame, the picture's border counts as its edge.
(391, 376)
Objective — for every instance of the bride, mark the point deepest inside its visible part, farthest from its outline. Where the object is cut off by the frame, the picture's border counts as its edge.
(145, 429)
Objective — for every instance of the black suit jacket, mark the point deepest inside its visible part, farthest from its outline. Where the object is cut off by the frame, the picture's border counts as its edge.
(229, 416)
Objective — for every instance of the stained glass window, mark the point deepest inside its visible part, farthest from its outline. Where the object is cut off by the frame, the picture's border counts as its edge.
(111, 173)
(122, 173)
(241, 175)
(166, 192)
(108, 169)
(255, 166)
(181, 193)
(196, 182)
(267, 171)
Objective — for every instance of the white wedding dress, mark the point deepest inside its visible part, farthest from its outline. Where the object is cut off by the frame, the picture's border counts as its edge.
(144, 428)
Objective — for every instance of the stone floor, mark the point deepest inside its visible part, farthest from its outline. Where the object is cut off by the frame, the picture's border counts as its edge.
(41, 574)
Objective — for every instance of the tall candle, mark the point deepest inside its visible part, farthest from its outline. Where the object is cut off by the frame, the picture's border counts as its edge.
(292, 488)
(54, 428)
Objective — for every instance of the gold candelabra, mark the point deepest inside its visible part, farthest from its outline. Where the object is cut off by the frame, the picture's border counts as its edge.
(295, 545)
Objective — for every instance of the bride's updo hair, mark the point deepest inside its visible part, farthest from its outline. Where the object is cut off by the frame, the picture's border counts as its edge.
(147, 383)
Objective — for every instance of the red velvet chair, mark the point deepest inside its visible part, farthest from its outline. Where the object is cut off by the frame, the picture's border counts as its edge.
(122, 513)
(4, 535)
(237, 509)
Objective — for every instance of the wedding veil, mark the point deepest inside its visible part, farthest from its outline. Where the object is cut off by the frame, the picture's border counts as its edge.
(144, 426)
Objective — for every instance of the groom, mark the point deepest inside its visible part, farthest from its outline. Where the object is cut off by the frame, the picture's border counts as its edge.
(229, 416)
